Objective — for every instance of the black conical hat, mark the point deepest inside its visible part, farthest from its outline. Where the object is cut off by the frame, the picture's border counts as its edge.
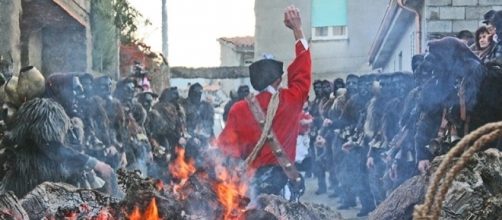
(264, 72)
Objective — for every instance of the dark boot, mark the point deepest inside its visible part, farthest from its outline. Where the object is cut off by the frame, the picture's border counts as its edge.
(321, 183)
(321, 190)
(347, 199)
(367, 203)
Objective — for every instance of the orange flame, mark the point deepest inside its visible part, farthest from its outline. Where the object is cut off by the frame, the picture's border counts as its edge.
(151, 212)
(180, 168)
(229, 191)
(135, 215)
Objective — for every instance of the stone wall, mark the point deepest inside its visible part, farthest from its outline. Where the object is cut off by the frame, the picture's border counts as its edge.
(53, 35)
(10, 32)
(448, 17)
(64, 50)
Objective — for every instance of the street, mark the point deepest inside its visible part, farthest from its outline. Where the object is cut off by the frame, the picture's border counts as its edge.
(310, 196)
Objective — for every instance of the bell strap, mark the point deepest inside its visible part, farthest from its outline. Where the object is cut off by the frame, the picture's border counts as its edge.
(287, 166)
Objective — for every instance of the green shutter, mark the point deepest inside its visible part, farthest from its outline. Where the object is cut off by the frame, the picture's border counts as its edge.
(329, 13)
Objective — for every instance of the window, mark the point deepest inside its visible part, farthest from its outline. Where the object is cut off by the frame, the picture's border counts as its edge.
(339, 30)
(329, 19)
(321, 31)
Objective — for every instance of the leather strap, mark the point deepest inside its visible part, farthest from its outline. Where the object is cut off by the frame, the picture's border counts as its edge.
(288, 167)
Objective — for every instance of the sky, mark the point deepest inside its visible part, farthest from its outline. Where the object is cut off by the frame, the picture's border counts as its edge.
(194, 27)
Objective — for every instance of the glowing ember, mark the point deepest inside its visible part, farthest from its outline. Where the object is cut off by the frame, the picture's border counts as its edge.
(151, 212)
(71, 216)
(159, 185)
(103, 215)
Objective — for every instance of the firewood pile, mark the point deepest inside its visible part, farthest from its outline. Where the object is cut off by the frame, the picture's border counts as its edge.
(149, 199)
(476, 193)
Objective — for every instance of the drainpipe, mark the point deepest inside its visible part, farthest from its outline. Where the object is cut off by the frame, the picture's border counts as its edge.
(418, 24)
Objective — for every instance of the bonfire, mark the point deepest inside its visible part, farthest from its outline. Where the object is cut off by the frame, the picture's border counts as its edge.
(211, 191)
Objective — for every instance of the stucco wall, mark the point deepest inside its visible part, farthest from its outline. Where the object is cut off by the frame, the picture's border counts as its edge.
(406, 48)
(271, 36)
(350, 55)
(331, 58)
(228, 56)
(10, 11)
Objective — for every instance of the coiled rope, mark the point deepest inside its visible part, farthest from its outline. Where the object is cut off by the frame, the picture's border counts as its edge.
(437, 190)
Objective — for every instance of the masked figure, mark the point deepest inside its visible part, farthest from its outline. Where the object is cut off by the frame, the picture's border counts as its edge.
(353, 174)
(114, 122)
(99, 140)
(242, 92)
(147, 99)
(67, 90)
(166, 128)
(453, 94)
(41, 154)
(137, 146)
(199, 119)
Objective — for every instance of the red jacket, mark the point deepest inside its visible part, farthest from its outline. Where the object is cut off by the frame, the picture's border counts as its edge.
(242, 131)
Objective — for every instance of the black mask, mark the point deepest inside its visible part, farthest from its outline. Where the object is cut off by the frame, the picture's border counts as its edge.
(195, 94)
(243, 92)
(317, 90)
(88, 86)
(365, 87)
(326, 89)
(129, 90)
(338, 86)
(146, 100)
(386, 86)
(72, 100)
(104, 86)
(173, 95)
(352, 85)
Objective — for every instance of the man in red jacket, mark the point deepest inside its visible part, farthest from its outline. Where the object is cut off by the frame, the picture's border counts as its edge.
(242, 131)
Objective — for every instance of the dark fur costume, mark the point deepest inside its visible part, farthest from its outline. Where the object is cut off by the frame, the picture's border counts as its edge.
(454, 67)
(40, 155)
(136, 144)
(167, 123)
(199, 121)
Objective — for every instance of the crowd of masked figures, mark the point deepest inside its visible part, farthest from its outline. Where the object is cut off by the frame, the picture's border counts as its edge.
(80, 129)
(370, 133)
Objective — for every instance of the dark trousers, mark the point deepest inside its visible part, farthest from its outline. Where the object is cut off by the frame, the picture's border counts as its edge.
(305, 165)
(376, 177)
(354, 179)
